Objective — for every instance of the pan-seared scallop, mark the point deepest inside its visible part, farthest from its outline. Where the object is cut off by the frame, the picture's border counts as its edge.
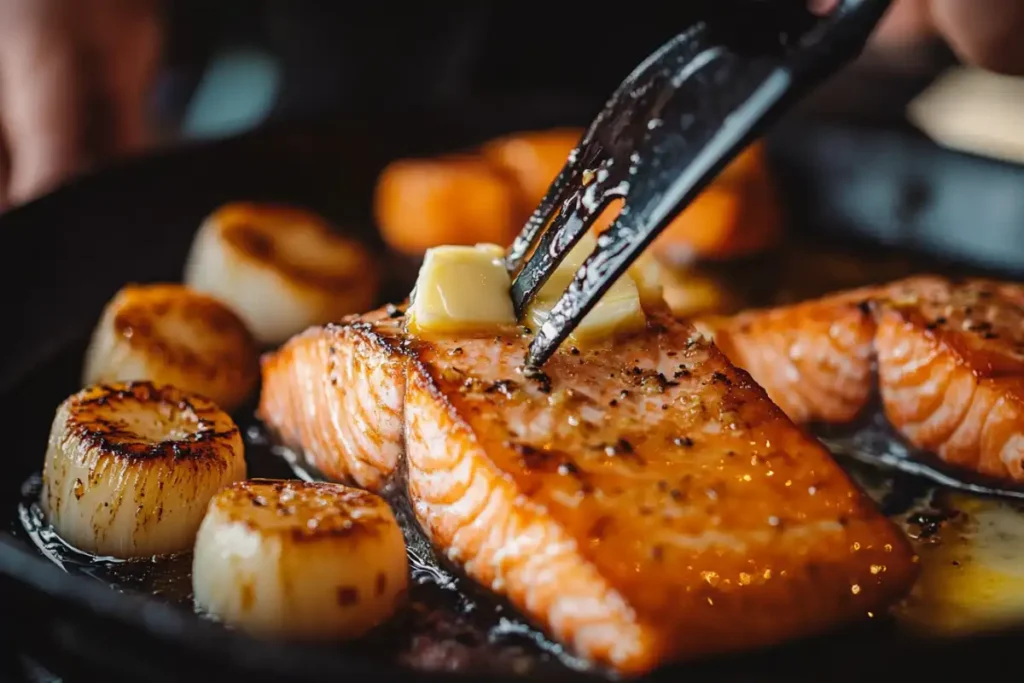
(170, 334)
(281, 269)
(130, 468)
(299, 560)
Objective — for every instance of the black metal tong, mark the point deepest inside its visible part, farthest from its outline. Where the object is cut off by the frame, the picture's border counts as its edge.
(667, 131)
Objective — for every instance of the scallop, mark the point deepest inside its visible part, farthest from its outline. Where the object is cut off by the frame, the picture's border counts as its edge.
(281, 269)
(171, 334)
(130, 468)
(299, 560)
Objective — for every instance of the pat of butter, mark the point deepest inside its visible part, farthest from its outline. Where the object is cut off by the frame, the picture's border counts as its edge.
(646, 273)
(619, 310)
(462, 289)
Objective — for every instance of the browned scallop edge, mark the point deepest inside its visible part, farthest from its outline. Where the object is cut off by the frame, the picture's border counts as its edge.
(339, 525)
(133, 322)
(244, 233)
(135, 316)
(110, 437)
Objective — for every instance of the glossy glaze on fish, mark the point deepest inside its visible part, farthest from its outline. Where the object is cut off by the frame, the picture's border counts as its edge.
(948, 357)
(642, 501)
(814, 359)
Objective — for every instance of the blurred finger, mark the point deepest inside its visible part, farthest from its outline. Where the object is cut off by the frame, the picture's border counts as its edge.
(988, 33)
(124, 38)
(4, 165)
(822, 7)
(906, 22)
(41, 100)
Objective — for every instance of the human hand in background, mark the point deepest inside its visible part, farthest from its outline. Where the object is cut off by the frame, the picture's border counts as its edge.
(986, 33)
(74, 76)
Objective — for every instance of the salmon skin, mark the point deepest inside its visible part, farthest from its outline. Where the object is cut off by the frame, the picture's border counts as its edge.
(947, 357)
(642, 501)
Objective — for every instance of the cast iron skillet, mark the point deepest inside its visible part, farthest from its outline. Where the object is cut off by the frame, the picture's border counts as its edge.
(66, 255)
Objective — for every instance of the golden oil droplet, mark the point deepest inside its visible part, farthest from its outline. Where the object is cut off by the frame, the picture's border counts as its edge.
(877, 568)
(767, 574)
(887, 547)
(855, 547)
(711, 602)
(744, 579)
(855, 589)
(79, 488)
(710, 577)
(746, 477)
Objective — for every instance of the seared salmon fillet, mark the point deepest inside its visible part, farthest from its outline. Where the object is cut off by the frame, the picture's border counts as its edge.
(642, 501)
(949, 358)
(815, 359)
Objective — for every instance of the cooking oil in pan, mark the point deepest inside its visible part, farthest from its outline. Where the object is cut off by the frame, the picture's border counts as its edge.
(968, 535)
(971, 549)
(972, 566)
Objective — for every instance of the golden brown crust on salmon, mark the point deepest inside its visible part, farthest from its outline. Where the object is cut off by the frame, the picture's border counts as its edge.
(949, 357)
(642, 501)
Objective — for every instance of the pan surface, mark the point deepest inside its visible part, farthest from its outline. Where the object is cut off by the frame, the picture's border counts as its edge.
(69, 252)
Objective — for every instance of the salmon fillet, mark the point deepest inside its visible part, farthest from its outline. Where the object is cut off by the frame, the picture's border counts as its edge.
(642, 501)
(814, 359)
(947, 356)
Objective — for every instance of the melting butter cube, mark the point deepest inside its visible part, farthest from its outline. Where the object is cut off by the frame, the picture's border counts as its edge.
(646, 273)
(618, 311)
(462, 289)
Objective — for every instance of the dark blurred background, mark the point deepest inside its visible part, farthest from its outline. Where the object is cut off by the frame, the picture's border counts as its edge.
(244, 62)
(85, 82)
(237, 63)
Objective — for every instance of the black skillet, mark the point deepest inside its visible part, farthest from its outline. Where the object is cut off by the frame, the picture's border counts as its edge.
(68, 253)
